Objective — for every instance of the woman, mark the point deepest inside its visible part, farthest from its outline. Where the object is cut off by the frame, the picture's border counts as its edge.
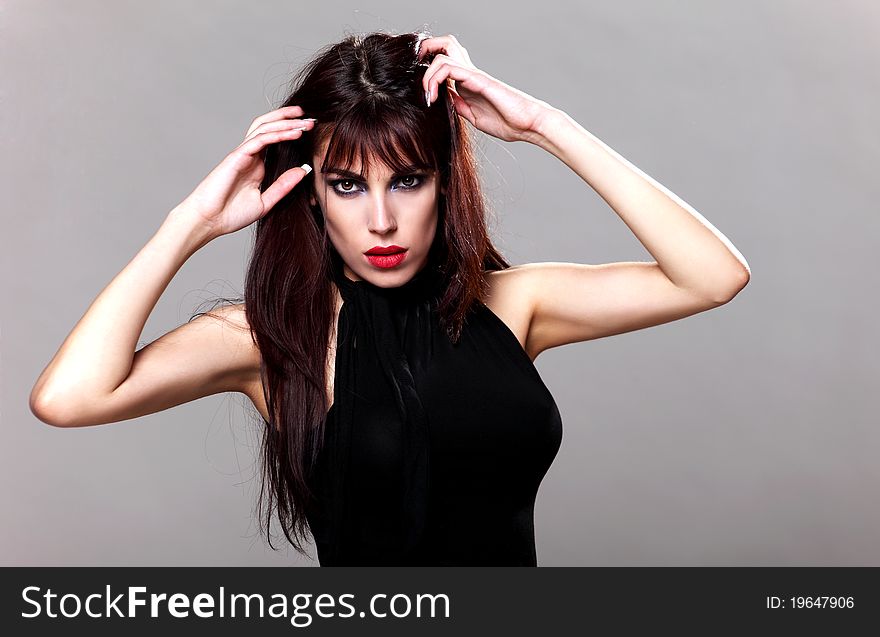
(386, 343)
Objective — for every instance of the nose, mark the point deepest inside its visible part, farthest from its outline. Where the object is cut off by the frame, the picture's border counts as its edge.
(381, 218)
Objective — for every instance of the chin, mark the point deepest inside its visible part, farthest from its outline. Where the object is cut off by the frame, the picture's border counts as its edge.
(393, 277)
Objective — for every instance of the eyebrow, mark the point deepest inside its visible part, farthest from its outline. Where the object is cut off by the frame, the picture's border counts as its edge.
(352, 175)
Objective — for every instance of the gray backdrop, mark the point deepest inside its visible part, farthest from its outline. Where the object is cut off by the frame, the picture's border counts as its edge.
(740, 436)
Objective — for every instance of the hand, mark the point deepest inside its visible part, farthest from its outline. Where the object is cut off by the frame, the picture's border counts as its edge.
(229, 198)
(489, 104)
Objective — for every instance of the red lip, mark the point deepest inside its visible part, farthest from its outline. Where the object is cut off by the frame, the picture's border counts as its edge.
(384, 249)
(386, 261)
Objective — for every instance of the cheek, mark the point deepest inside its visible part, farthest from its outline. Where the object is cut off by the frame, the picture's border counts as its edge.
(433, 215)
(427, 231)
(338, 227)
(430, 222)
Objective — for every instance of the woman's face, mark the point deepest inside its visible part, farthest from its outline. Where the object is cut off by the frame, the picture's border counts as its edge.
(381, 209)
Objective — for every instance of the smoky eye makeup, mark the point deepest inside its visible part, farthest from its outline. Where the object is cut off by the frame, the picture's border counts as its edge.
(347, 187)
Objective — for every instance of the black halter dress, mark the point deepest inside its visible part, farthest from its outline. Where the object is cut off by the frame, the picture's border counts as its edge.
(433, 453)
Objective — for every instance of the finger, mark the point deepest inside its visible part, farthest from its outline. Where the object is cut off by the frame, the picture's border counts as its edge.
(436, 44)
(462, 108)
(284, 124)
(259, 141)
(288, 124)
(272, 116)
(444, 71)
(447, 44)
(282, 186)
(431, 72)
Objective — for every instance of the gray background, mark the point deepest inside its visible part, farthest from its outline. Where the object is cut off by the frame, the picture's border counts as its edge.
(740, 436)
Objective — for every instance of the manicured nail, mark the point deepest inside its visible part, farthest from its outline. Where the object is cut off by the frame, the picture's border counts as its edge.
(306, 168)
(428, 98)
(309, 119)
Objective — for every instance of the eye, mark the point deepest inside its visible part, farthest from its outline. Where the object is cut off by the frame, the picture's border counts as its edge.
(338, 186)
(411, 182)
(347, 187)
(407, 181)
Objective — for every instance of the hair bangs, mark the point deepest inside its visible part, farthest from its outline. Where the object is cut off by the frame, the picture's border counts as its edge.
(372, 132)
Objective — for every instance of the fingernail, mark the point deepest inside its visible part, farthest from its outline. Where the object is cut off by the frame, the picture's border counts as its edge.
(427, 98)
(309, 119)
(306, 168)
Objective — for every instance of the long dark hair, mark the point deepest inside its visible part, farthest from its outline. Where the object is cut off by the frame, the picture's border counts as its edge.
(366, 94)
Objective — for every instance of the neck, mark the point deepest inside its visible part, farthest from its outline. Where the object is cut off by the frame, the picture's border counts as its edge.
(425, 283)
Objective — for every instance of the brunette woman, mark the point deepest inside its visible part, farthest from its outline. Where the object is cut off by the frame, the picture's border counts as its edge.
(387, 344)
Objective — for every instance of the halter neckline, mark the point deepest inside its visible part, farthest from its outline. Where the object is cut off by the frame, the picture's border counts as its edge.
(372, 337)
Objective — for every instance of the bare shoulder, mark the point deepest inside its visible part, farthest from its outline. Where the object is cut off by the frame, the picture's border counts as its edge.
(244, 350)
(510, 297)
(234, 315)
(577, 302)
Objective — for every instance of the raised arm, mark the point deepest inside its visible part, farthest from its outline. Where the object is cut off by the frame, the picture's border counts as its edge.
(96, 376)
(696, 267)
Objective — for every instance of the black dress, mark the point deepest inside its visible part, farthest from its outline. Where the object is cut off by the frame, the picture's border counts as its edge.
(433, 452)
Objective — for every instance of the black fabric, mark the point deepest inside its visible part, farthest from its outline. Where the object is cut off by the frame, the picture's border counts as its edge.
(433, 452)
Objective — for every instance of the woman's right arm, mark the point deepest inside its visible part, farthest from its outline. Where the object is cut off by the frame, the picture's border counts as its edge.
(96, 377)
(84, 384)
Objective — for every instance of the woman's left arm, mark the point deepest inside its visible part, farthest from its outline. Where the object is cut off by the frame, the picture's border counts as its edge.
(696, 268)
(690, 251)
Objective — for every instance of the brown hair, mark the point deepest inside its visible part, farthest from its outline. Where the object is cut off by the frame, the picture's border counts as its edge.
(367, 96)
